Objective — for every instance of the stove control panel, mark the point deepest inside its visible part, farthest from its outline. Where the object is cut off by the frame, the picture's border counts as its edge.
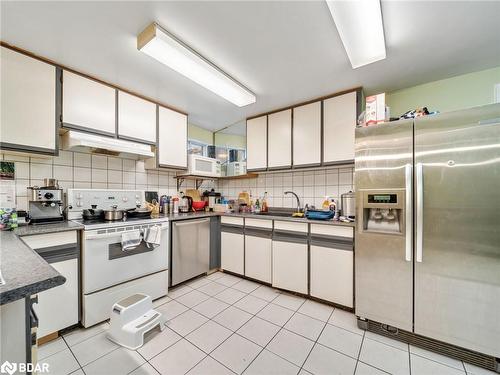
(80, 199)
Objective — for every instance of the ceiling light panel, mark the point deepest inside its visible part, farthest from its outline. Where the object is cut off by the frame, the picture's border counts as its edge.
(167, 49)
(359, 23)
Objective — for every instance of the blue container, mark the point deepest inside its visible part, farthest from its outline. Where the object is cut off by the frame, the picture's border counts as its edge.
(320, 215)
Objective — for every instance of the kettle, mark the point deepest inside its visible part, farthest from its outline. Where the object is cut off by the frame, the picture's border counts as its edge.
(186, 204)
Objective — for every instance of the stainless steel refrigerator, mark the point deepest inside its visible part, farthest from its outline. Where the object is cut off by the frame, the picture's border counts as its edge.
(427, 255)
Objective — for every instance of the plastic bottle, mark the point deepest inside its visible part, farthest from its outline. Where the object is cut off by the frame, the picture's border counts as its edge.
(257, 206)
(265, 207)
(176, 205)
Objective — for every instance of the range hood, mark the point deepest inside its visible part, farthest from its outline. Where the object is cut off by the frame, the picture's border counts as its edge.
(78, 141)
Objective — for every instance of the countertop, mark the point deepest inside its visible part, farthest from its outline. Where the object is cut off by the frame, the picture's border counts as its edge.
(201, 214)
(290, 218)
(23, 270)
(62, 226)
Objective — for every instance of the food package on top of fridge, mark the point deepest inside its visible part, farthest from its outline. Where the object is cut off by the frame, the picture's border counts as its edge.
(375, 109)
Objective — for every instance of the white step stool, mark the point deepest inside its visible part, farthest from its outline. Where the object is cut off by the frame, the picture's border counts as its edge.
(131, 318)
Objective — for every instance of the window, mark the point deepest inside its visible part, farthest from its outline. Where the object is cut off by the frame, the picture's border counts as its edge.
(197, 147)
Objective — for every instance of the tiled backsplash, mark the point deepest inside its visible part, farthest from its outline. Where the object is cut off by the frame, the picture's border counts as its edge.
(82, 170)
(310, 185)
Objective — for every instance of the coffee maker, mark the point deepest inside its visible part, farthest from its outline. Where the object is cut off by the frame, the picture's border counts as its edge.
(45, 204)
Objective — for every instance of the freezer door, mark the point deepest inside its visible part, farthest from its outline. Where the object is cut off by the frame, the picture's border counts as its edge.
(457, 268)
(383, 261)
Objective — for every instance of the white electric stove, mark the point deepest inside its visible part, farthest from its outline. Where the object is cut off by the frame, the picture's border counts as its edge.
(108, 272)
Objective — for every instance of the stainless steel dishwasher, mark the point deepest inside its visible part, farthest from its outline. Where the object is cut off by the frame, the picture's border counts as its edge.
(190, 249)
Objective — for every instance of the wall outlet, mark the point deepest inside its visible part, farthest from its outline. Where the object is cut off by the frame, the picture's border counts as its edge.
(496, 95)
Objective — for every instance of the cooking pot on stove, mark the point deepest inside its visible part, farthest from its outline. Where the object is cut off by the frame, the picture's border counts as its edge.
(93, 213)
(113, 214)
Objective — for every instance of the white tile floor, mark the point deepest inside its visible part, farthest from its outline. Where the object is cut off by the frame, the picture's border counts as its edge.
(222, 324)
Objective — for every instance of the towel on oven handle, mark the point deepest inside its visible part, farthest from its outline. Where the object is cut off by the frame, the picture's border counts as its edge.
(152, 236)
(130, 240)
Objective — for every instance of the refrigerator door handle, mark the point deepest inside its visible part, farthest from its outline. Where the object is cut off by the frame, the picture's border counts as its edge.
(420, 210)
(408, 210)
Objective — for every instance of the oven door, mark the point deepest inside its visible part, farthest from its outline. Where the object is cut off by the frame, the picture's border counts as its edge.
(105, 264)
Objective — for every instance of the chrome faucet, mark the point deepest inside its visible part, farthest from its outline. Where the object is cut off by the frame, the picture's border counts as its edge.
(299, 209)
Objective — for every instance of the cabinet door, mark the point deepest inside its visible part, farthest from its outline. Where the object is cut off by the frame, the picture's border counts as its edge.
(88, 105)
(279, 147)
(136, 118)
(57, 308)
(332, 275)
(257, 143)
(172, 138)
(290, 266)
(232, 252)
(339, 124)
(307, 135)
(28, 102)
(258, 258)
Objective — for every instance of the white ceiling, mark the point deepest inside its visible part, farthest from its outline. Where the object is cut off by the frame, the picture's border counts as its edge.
(285, 52)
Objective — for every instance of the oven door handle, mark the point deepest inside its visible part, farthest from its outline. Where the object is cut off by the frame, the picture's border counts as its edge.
(94, 235)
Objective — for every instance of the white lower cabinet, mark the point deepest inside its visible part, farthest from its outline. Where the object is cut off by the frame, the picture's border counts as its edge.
(57, 308)
(233, 252)
(332, 274)
(258, 256)
(290, 266)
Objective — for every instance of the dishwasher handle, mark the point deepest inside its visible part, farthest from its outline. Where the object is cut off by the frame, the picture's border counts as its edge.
(187, 222)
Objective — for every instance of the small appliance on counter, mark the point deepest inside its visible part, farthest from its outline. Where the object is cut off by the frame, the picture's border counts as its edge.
(212, 197)
(348, 201)
(45, 205)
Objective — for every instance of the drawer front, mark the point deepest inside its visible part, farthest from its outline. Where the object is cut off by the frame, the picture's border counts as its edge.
(332, 275)
(259, 223)
(39, 241)
(258, 252)
(290, 226)
(57, 308)
(332, 230)
(231, 220)
(290, 266)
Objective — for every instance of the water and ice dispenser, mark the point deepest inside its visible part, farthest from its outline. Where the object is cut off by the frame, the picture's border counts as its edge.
(382, 211)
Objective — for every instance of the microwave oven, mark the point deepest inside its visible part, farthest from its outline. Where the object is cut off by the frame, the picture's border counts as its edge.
(203, 166)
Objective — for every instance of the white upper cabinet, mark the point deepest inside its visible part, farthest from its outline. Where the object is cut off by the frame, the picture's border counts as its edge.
(339, 124)
(88, 104)
(279, 148)
(307, 135)
(172, 139)
(257, 143)
(28, 102)
(136, 118)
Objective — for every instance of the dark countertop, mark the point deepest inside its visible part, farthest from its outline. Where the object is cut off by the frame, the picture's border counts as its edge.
(290, 218)
(201, 214)
(189, 215)
(23, 270)
(62, 226)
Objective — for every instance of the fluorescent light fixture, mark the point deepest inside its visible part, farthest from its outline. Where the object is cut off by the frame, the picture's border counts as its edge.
(169, 50)
(359, 23)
